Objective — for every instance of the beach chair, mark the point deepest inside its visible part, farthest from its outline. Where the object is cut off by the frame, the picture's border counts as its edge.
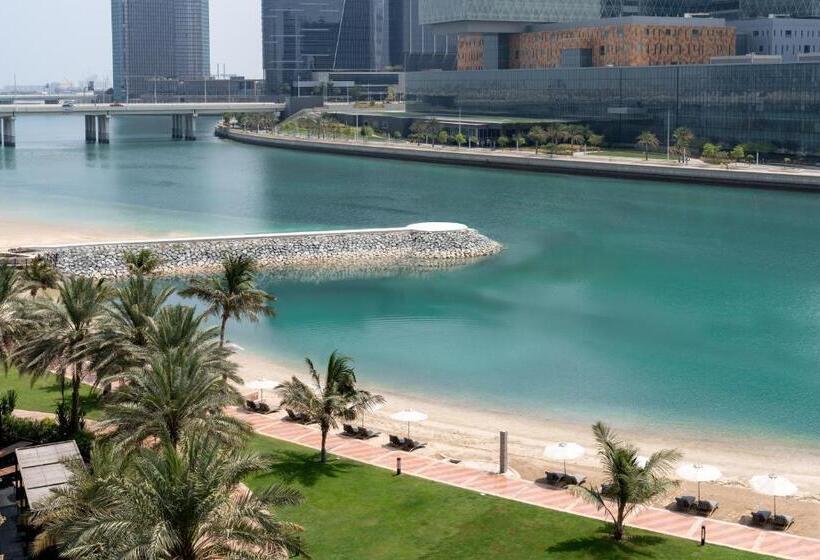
(250, 406)
(365, 433)
(706, 507)
(264, 408)
(291, 415)
(573, 479)
(761, 517)
(553, 478)
(685, 503)
(411, 445)
(781, 522)
(397, 441)
(350, 431)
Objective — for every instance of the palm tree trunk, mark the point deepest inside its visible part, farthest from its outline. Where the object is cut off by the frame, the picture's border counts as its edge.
(74, 418)
(62, 384)
(225, 318)
(646, 153)
(325, 429)
(618, 529)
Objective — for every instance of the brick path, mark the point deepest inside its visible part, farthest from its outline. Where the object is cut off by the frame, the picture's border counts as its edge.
(374, 453)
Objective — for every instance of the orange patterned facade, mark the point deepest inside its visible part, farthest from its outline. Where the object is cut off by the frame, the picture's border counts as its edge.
(617, 45)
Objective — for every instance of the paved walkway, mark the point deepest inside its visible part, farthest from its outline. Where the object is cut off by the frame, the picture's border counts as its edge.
(653, 519)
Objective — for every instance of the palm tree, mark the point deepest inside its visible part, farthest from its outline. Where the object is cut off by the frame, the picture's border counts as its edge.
(40, 275)
(11, 307)
(647, 141)
(627, 485)
(576, 134)
(520, 140)
(330, 400)
(537, 136)
(233, 294)
(142, 262)
(176, 394)
(683, 138)
(185, 503)
(63, 334)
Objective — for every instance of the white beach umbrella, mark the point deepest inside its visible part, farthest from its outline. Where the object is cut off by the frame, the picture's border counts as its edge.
(409, 415)
(695, 472)
(234, 347)
(641, 461)
(261, 385)
(564, 451)
(774, 486)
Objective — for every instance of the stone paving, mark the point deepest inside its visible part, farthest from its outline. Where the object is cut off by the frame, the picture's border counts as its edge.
(659, 520)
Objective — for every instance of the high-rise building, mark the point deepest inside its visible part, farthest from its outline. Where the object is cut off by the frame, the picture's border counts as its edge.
(416, 45)
(157, 44)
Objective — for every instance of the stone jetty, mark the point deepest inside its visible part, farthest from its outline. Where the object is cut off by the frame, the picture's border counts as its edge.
(424, 244)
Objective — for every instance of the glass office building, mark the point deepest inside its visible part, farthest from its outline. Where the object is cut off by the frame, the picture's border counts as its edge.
(519, 11)
(157, 43)
(775, 104)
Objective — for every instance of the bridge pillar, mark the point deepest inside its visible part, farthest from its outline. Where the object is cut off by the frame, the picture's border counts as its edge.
(90, 129)
(9, 138)
(176, 127)
(103, 122)
(190, 127)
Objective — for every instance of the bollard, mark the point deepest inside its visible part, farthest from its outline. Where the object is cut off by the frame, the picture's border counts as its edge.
(502, 453)
(398, 466)
(703, 535)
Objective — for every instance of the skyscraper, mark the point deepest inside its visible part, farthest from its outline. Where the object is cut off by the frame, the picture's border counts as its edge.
(157, 43)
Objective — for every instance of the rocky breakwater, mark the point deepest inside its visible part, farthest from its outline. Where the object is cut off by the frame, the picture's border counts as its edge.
(423, 244)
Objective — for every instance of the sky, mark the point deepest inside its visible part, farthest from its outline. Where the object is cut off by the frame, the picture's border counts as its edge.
(56, 40)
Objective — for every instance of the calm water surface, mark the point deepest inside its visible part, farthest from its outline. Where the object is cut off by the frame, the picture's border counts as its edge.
(638, 302)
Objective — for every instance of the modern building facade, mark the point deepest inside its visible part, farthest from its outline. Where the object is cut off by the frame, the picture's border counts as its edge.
(787, 37)
(415, 46)
(773, 104)
(157, 44)
(626, 41)
(500, 16)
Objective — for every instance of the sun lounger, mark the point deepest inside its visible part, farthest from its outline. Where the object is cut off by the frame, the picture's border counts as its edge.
(350, 431)
(706, 507)
(264, 408)
(365, 433)
(761, 517)
(250, 405)
(299, 417)
(411, 445)
(553, 478)
(573, 479)
(396, 441)
(685, 503)
(781, 522)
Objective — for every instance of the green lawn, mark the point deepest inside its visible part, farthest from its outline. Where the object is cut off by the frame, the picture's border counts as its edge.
(629, 153)
(45, 394)
(357, 511)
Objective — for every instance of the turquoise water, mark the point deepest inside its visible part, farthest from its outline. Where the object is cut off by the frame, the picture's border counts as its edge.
(637, 302)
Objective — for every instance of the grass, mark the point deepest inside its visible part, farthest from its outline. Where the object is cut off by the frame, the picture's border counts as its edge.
(357, 511)
(631, 154)
(352, 510)
(44, 395)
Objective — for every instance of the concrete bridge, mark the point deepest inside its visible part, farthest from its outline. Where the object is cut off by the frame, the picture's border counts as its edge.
(98, 116)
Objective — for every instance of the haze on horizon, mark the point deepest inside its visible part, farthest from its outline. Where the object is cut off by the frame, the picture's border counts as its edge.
(57, 40)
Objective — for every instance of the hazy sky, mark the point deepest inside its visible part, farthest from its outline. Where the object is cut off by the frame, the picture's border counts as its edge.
(53, 40)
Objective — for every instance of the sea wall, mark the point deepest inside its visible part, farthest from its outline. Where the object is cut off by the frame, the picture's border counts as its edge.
(418, 244)
(748, 178)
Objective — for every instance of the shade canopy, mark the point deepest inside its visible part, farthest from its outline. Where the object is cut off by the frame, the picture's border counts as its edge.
(641, 461)
(564, 451)
(234, 347)
(699, 473)
(409, 415)
(261, 384)
(773, 485)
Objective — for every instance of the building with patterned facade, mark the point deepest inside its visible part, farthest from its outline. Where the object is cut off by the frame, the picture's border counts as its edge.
(157, 43)
(628, 41)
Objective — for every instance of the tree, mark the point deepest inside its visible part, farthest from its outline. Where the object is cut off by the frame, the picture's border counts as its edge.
(472, 140)
(503, 141)
(367, 131)
(683, 138)
(576, 134)
(627, 486)
(419, 131)
(142, 262)
(537, 136)
(233, 293)
(397, 135)
(520, 140)
(8, 402)
(738, 153)
(459, 139)
(433, 128)
(11, 317)
(710, 151)
(177, 394)
(61, 336)
(327, 401)
(595, 140)
(648, 141)
(186, 503)
(40, 274)
(443, 137)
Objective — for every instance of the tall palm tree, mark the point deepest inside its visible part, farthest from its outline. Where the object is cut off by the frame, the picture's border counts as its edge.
(647, 141)
(627, 485)
(233, 293)
(330, 400)
(11, 311)
(185, 503)
(683, 138)
(177, 393)
(576, 134)
(40, 274)
(142, 262)
(61, 338)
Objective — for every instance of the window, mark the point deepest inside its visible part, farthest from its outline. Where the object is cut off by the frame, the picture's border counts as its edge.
(788, 33)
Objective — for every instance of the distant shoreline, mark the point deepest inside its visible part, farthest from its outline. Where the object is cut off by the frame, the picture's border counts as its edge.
(647, 171)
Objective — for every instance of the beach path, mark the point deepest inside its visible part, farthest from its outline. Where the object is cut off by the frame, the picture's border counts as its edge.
(733, 535)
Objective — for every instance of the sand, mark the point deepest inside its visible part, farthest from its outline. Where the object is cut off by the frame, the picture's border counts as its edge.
(469, 433)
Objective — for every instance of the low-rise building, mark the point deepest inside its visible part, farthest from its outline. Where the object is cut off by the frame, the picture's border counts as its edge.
(786, 37)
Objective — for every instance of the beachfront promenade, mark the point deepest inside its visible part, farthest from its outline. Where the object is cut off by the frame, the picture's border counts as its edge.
(659, 520)
(743, 175)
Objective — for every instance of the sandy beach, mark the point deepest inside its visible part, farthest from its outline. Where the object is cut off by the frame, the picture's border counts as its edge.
(468, 433)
